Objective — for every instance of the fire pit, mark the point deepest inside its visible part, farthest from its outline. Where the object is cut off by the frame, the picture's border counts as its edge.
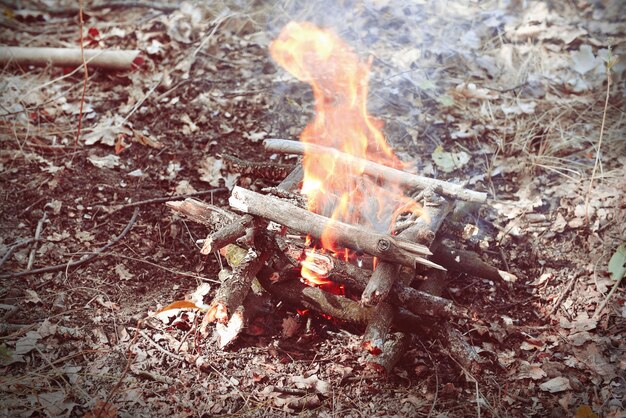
(341, 222)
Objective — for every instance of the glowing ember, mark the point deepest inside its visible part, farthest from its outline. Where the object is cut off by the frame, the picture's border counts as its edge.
(334, 189)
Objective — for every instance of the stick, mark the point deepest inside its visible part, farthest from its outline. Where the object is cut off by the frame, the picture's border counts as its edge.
(349, 236)
(293, 180)
(423, 231)
(235, 288)
(464, 261)
(389, 174)
(204, 213)
(385, 276)
(67, 57)
(161, 200)
(226, 235)
(14, 247)
(33, 250)
(391, 354)
(85, 259)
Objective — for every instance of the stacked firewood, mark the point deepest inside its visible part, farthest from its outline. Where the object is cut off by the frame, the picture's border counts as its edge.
(262, 236)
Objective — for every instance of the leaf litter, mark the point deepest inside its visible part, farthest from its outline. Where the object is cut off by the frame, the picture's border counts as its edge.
(508, 98)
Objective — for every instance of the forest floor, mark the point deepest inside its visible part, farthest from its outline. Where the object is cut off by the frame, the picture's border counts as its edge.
(515, 101)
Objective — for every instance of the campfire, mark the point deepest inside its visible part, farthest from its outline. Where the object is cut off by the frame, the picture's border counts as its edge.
(343, 222)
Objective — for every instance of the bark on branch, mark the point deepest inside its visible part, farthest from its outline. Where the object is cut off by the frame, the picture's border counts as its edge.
(389, 174)
(383, 246)
(67, 57)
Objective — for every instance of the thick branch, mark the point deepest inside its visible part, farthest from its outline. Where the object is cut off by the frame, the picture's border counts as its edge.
(391, 354)
(389, 174)
(349, 236)
(464, 261)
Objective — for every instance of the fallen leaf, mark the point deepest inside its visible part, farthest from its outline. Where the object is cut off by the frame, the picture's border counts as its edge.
(530, 371)
(84, 236)
(617, 263)
(123, 273)
(585, 411)
(558, 384)
(56, 237)
(584, 60)
(53, 403)
(32, 297)
(449, 161)
(471, 91)
(311, 382)
(107, 131)
(108, 161)
(27, 343)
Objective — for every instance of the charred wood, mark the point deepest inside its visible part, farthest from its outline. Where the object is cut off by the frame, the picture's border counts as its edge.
(298, 294)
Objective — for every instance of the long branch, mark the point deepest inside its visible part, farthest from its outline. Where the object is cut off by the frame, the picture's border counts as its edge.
(383, 246)
(373, 169)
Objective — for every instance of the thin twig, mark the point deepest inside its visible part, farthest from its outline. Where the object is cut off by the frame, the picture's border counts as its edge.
(86, 259)
(595, 165)
(14, 247)
(563, 293)
(598, 311)
(150, 263)
(158, 347)
(86, 74)
(33, 250)
(163, 200)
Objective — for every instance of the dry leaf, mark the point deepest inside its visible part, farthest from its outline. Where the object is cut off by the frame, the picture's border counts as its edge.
(108, 161)
(27, 343)
(32, 297)
(312, 382)
(558, 384)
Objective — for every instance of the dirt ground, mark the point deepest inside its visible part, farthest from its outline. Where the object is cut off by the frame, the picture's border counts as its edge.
(510, 98)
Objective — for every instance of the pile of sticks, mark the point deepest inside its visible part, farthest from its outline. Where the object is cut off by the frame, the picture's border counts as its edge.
(262, 238)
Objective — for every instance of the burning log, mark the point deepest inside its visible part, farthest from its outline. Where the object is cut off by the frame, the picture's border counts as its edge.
(372, 169)
(349, 236)
(415, 301)
(298, 294)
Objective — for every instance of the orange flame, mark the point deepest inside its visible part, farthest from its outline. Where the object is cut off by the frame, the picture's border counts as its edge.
(339, 81)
